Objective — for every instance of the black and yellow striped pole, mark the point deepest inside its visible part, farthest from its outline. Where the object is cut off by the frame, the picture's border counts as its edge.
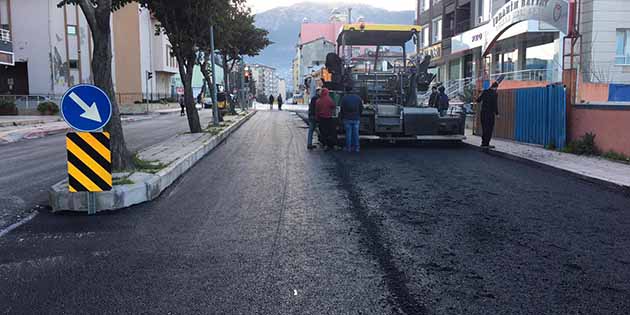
(89, 164)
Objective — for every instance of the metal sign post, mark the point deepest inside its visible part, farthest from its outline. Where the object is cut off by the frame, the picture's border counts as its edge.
(215, 105)
(87, 108)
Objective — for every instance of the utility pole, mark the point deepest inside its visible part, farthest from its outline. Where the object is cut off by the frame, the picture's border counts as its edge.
(215, 105)
(242, 84)
(350, 22)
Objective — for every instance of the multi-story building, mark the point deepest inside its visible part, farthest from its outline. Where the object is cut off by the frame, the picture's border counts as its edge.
(313, 54)
(6, 46)
(52, 51)
(143, 62)
(295, 75)
(314, 41)
(456, 33)
(282, 88)
(265, 79)
(605, 46)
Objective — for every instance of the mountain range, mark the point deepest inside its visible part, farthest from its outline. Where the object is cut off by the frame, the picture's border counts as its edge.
(283, 24)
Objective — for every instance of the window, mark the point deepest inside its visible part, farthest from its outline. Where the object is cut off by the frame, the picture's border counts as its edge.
(73, 64)
(72, 29)
(171, 61)
(425, 36)
(425, 5)
(436, 30)
(622, 55)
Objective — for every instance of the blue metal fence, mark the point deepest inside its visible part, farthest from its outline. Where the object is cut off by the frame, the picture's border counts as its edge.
(541, 116)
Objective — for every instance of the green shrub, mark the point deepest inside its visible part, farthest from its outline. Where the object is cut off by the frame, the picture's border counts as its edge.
(585, 145)
(7, 107)
(48, 108)
(616, 156)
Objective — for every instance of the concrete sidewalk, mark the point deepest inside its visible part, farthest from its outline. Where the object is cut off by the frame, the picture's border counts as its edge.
(17, 128)
(593, 169)
(13, 121)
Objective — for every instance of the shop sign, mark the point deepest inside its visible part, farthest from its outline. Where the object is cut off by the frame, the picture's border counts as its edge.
(434, 51)
(473, 38)
(552, 12)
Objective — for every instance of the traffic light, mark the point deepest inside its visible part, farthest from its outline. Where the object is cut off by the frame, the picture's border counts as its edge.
(247, 76)
(149, 75)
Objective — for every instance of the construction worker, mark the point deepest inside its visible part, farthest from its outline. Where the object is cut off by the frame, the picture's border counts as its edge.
(489, 111)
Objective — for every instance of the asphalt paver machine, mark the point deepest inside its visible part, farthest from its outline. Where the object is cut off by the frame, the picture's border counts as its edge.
(390, 88)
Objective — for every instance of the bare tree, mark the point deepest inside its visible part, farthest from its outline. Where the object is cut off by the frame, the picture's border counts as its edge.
(98, 15)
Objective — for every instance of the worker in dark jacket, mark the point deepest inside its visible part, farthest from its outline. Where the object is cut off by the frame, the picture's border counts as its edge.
(489, 111)
(351, 109)
(443, 101)
(279, 101)
(324, 111)
(433, 98)
(271, 99)
(312, 121)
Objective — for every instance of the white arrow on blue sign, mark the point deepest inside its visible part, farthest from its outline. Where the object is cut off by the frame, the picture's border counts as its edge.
(86, 108)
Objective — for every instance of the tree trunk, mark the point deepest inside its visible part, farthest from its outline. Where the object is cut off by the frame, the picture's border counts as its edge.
(186, 67)
(99, 20)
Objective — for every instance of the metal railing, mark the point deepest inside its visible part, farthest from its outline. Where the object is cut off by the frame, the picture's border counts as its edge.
(455, 88)
(29, 101)
(527, 75)
(5, 35)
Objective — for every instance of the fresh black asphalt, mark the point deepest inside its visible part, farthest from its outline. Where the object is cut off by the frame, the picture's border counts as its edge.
(263, 226)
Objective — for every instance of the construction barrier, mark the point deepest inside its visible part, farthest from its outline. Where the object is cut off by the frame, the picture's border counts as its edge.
(531, 115)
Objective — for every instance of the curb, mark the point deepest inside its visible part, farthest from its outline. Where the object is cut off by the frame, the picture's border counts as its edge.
(593, 180)
(28, 122)
(147, 187)
(29, 134)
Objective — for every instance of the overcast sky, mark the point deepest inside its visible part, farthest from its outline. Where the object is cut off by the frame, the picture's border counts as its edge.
(392, 5)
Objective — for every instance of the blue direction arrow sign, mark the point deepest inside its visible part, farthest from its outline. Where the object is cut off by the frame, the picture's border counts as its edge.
(86, 108)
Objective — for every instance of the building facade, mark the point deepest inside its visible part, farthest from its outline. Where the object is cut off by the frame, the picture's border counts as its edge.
(6, 44)
(144, 66)
(52, 51)
(456, 33)
(266, 80)
(282, 88)
(314, 41)
(312, 55)
(605, 41)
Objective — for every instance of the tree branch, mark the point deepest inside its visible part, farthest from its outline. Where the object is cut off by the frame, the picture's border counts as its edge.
(89, 12)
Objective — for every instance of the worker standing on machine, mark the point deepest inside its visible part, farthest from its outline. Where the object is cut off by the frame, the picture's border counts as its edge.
(433, 98)
(443, 101)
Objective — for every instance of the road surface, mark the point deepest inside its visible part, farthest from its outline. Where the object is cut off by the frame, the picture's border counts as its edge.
(29, 168)
(262, 226)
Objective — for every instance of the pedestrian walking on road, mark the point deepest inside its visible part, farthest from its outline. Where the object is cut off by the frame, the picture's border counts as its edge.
(442, 101)
(324, 108)
(489, 111)
(279, 102)
(312, 119)
(433, 98)
(270, 102)
(182, 105)
(351, 109)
